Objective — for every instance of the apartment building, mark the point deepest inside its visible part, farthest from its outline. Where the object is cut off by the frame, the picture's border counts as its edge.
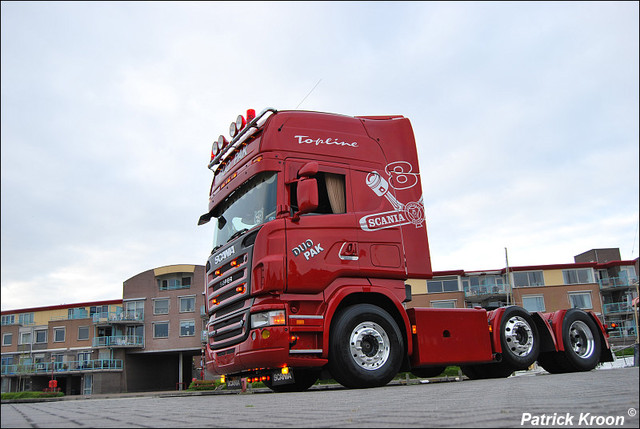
(150, 339)
(58, 341)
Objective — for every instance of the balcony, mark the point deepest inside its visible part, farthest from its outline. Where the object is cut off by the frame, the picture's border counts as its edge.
(618, 282)
(119, 341)
(119, 317)
(43, 368)
(488, 289)
(617, 307)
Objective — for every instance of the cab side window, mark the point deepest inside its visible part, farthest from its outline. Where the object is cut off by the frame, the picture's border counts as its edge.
(331, 194)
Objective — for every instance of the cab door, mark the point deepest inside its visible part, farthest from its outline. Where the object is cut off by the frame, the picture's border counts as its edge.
(321, 244)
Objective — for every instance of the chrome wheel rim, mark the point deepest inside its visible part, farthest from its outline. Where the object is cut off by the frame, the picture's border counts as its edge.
(518, 336)
(369, 345)
(581, 339)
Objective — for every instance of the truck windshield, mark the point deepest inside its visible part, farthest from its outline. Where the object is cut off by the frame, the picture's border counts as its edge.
(253, 204)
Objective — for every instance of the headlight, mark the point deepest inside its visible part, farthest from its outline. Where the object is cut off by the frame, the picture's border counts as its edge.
(267, 318)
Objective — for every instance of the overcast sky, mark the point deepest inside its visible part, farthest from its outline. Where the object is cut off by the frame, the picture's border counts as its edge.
(525, 115)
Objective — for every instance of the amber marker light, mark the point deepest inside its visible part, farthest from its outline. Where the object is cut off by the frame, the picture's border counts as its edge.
(414, 329)
(285, 370)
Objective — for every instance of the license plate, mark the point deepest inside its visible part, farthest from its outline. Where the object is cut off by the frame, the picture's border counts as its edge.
(278, 378)
(234, 383)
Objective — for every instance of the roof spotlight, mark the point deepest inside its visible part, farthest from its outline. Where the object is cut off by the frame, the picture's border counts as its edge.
(240, 122)
(222, 142)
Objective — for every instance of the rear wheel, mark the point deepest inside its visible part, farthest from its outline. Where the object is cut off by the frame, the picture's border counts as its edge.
(519, 339)
(366, 347)
(304, 379)
(581, 342)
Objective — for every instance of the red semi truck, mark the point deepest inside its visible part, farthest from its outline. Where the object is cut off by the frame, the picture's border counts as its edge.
(319, 223)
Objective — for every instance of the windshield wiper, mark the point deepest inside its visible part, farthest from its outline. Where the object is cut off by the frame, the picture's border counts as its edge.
(237, 234)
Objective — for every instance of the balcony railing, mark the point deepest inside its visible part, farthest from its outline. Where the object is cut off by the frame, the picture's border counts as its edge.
(119, 341)
(490, 289)
(119, 316)
(622, 281)
(63, 367)
(617, 307)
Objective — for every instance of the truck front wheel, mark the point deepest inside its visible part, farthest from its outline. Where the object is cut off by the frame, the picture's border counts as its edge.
(366, 347)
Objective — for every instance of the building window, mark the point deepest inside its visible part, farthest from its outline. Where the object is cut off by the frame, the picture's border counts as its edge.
(533, 303)
(25, 319)
(628, 274)
(58, 335)
(83, 359)
(444, 304)
(444, 285)
(187, 304)
(182, 281)
(578, 276)
(83, 333)
(8, 319)
(134, 310)
(41, 336)
(101, 310)
(528, 278)
(580, 300)
(161, 306)
(77, 313)
(187, 328)
(7, 339)
(25, 338)
(161, 330)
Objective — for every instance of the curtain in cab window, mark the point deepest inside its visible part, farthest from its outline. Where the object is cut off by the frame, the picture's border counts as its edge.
(336, 192)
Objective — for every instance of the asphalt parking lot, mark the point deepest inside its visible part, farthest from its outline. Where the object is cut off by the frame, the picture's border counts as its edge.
(602, 398)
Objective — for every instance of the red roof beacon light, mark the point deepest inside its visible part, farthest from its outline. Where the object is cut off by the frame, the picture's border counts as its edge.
(251, 115)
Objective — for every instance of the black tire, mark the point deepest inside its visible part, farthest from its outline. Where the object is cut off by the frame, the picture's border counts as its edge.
(581, 342)
(428, 372)
(519, 338)
(304, 379)
(490, 370)
(366, 347)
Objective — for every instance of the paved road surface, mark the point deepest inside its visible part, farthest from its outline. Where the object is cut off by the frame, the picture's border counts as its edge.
(605, 396)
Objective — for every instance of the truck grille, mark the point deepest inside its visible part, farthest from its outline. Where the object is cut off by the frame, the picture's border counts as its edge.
(228, 295)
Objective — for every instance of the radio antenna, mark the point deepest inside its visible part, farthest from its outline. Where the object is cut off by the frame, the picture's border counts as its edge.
(305, 97)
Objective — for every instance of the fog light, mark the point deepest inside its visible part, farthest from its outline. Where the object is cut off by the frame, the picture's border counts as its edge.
(266, 334)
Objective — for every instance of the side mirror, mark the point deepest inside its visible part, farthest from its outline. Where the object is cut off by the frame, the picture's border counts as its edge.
(307, 197)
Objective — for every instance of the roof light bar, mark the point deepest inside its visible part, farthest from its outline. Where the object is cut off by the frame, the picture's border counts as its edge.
(237, 130)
